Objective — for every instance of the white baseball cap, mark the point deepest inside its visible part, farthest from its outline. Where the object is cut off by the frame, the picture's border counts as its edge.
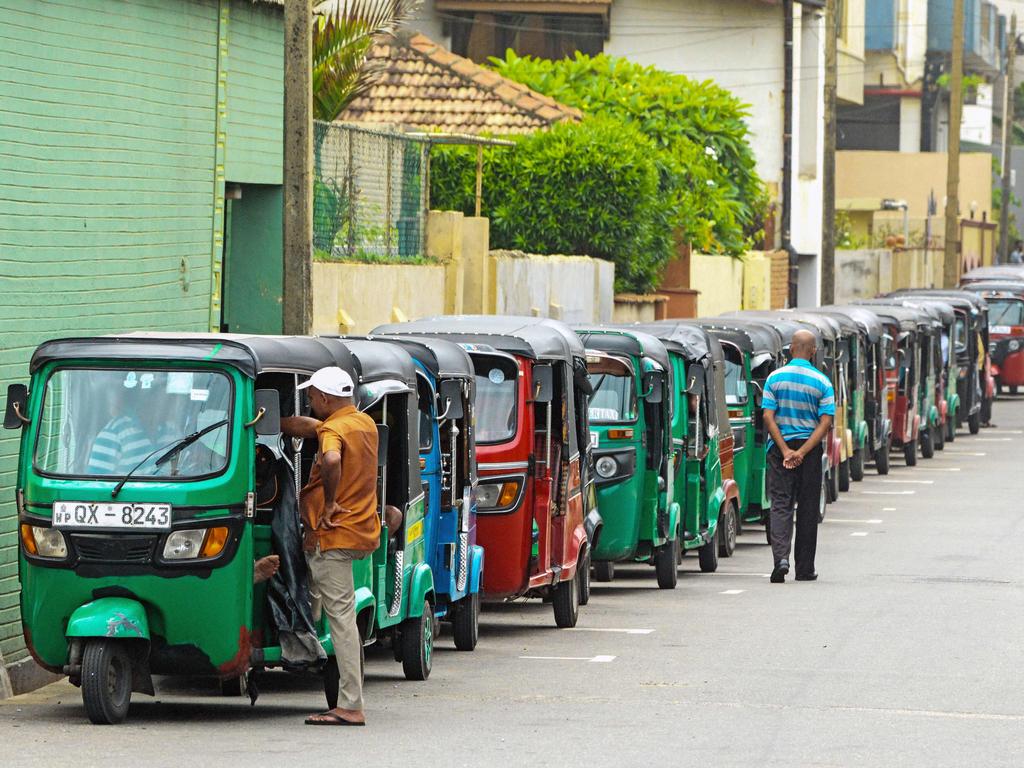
(331, 381)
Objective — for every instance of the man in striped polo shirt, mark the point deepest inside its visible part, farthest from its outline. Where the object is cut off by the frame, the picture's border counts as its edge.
(799, 403)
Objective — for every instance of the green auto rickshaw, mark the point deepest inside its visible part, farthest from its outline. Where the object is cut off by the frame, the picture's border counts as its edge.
(153, 476)
(630, 418)
(753, 349)
(702, 442)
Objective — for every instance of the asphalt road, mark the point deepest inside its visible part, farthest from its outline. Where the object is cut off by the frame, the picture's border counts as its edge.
(906, 652)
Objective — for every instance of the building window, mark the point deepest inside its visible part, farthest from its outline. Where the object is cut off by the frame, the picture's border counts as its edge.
(479, 36)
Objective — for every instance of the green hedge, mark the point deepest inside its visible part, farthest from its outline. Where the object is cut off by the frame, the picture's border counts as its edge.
(591, 188)
(699, 128)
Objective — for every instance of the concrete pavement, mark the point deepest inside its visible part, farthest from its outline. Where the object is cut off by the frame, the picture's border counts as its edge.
(906, 652)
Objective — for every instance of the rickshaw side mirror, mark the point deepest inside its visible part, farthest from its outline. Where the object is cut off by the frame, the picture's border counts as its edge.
(383, 433)
(654, 385)
(450, 393)
(543, 383)
(268, 403)
(17, 404)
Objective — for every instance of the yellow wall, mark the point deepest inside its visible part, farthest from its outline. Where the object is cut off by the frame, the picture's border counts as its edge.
(757, 280)
(720, 282)
(911, 176)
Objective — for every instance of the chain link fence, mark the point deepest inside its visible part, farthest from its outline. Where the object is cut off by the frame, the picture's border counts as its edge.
(369, 195)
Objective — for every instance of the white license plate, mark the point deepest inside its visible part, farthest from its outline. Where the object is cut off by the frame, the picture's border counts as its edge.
(1006, 330)
(93, 514)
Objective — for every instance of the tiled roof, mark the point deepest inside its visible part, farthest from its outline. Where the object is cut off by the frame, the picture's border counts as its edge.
(423, 86)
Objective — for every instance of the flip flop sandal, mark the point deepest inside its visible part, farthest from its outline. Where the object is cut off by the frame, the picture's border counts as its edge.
(329, 718)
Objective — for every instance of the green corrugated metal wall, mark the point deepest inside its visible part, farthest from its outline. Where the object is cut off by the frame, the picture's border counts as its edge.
(108, 185)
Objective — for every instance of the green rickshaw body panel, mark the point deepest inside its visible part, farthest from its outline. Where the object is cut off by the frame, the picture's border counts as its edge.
(397, 600)
(195, 613)
(114, 617)
(620, 507)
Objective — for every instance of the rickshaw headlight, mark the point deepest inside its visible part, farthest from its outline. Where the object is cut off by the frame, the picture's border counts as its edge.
(606, 466)
(185, 544)
(1014, 345)
(497, 495)
(43, 542)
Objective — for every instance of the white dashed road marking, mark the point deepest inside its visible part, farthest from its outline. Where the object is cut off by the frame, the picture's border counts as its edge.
(911, 482)
(611, 629)
(855, 522)
(888, 493)
(598, 659)
(859, 533)
(733, 592)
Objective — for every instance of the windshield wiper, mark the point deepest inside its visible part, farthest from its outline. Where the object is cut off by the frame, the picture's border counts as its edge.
(186, 441)
(171, 448)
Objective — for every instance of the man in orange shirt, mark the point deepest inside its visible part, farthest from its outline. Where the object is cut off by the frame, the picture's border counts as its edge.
(340, 521)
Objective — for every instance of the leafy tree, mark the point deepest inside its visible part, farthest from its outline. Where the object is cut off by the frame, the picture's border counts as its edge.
(706, 165)
(343, 32)
(591, 188)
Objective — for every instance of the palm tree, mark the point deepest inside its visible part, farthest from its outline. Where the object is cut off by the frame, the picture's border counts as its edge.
(343, 32)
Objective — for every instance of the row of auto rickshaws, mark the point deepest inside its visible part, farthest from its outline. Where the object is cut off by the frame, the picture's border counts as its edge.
(518, 458)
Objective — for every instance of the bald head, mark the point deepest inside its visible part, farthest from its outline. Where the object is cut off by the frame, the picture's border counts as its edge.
(803, 345)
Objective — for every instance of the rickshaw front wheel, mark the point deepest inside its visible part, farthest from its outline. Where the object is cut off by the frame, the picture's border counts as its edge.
(604, 571)
(584, 570)
(106, 681)
(466, 623)
(882, 460)
(927, 443)
(910, 453)
(974, 423)
(857, 465)
(666, 564)
(417, 641)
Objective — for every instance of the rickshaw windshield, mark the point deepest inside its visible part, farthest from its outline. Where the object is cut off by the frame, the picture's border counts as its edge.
(735, 384)
(960, 335)
(102, 423)
(496, 396)
(1005, 312)
(614, 397)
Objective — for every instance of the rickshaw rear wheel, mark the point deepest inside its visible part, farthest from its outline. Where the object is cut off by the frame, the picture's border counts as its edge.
(844, 476)
(882, 460)
(857, 465)
(730, 530)
(418, 644)
(106, 681)
(928, 443)
(832, 485)
(466, 623)
(604, 571)
(583, 567)
(910, 453)
(566, 602)
(707, 556)
(666, 564)
(974, 423)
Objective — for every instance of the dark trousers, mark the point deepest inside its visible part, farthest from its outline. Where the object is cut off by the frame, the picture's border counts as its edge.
(799, 490)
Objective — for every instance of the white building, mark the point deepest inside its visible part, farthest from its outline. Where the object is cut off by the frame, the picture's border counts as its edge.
(740, 44)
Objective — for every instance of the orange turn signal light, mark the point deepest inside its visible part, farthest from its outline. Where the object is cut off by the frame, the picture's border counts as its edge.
(509, 491)
(620, 434)
(214, 542)
(28, 540)
(892, 396)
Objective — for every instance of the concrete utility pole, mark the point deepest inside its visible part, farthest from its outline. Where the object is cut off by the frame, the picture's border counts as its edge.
(951, 259)
(1008, 101)
(828, 180)
(298, 166)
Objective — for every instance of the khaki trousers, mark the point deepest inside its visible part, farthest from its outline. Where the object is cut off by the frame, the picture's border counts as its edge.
(332, 591)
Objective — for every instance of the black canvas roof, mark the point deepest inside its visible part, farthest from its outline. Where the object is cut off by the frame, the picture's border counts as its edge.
(624, 340)
(537, 337)
(444, 359)
(763, 336)
(865, 319)
(249, 354)
(785, 322)
(996, 286)
(686, 338)
(907, 318)
(955, 296)
(996, 271)
(941, 310)
(375, 360)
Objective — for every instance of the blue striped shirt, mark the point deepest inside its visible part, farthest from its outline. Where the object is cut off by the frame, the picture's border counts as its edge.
(800, 395)
(119, 446)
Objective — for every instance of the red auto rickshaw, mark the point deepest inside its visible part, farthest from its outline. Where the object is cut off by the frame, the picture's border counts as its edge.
(1006, 331)
(534, 499)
